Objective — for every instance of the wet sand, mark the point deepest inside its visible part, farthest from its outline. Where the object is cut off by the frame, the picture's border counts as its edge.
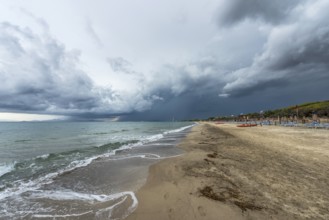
(241, 173)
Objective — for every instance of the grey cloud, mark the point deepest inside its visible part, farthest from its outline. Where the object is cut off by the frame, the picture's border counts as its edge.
(38, 20)
(275, 11)
(301, 51)
(177, 88)
(198, 76)
(92, 33)
(39, 75)
(184, 90)
(244, 69)
(119, 64)
(187, 105)
(291, 68)
(294, 53)
(192, 104)
(291, 59)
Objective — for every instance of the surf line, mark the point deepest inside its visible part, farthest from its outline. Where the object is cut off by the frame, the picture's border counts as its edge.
(145, 156)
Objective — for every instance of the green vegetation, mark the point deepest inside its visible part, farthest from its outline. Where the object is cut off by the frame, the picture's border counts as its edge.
(302, 110)
(306, 110)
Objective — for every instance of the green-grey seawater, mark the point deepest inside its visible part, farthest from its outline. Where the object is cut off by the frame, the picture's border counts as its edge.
(46, 165)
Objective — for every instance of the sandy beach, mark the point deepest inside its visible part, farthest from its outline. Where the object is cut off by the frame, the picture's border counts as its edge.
(241, 173)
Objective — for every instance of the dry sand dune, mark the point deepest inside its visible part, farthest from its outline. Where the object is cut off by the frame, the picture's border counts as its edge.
(241, 173)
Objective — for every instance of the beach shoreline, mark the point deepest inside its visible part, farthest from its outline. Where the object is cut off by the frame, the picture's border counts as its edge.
(96, 180)
(240, 173)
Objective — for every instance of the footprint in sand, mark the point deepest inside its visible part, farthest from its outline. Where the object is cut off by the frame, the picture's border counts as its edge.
(201, 211)
(170, 213)
(166, 196)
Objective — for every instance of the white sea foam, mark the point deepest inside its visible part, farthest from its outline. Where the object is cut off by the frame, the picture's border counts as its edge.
(82, 163)
(90, 198)
(163, 144)
(44, 156)
(49, 213)
(107, 212)
(144, 156)
(20, 187)
(151, 138)
(179, 129)
(71, 195)
(6, 168)
(60, 216)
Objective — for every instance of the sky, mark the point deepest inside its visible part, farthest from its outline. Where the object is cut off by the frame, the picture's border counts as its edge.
(160, 60)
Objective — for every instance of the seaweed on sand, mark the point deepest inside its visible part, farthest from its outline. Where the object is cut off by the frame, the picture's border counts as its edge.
(213, 155)
(229, 194)
(208, 192)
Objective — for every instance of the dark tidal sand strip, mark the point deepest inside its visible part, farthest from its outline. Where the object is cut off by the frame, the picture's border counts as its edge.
(241, 173)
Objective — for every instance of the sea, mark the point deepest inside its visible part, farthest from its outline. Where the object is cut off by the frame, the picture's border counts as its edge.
(80, 170)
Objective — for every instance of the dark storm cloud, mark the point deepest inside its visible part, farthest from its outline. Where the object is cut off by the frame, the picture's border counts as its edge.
(313, 50)
(199, 76)
(188, 105)
(291, 68)
(275, 11)
(293, 52)
(270, 54)
(186, 91)
(39, 75)
(192, 104)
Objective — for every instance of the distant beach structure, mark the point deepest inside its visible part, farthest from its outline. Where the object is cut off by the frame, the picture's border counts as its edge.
(310, 115)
